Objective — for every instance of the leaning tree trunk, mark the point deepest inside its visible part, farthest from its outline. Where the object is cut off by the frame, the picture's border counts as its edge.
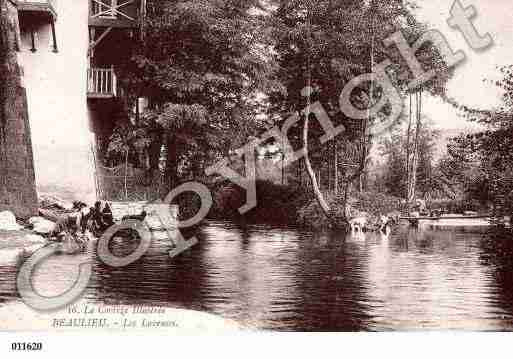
(315, 185)
(17, 177)
(311, 173)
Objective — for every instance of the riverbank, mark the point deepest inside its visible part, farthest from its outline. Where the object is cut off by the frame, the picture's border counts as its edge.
(14, 244)
(276, 203)
(295, 205)
(370, 205)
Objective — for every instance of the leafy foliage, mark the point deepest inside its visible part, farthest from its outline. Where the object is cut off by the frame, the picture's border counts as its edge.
(276, 203)
(328, 43)
(371, 204)
(203, 65)
(481, 164)
(394, 174)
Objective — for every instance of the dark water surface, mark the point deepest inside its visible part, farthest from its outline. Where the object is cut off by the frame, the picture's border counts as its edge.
(283, 279)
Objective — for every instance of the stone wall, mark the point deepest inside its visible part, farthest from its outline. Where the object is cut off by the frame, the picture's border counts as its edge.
(17, 177)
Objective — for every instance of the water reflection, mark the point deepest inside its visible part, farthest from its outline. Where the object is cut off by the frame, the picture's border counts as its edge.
(7, 282)
(430, 279)
(286, 279)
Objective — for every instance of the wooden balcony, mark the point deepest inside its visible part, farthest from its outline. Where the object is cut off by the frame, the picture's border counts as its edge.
(37, 7)
(101, 83)
(114, 13)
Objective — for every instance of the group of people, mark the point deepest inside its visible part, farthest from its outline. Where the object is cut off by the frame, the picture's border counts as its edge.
(96, 220)
(383, 224)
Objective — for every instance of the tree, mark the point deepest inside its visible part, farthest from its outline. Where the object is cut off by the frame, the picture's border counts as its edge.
(482, 162)
(394, 174)
(326, 44)
(395, 149)
(17, 178)
(203, 65)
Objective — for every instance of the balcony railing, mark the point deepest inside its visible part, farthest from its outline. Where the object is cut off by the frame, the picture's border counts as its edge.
(101, 83)
(102, 10)
(114, 13)
(111, 9)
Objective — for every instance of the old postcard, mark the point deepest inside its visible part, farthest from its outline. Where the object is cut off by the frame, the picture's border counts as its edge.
(217, 166)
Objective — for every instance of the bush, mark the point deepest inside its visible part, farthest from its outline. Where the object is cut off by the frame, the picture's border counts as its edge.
(372, 203)
(376, 203)
(455, 206)
(275, 203)
(312, 216)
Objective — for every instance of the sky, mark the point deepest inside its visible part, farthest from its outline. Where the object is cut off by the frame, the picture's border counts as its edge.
(467, 85)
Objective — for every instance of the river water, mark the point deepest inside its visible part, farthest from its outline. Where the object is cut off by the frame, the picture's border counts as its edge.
(276, 278)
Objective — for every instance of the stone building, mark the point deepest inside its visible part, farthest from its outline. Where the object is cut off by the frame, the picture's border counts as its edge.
(17, 179)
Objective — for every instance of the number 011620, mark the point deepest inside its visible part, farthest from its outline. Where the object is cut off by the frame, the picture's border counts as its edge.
(26, 346)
